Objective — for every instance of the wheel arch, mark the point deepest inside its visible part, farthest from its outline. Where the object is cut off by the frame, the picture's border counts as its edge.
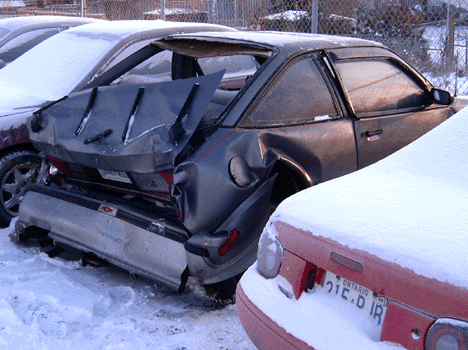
(291, 178)
(17, 147)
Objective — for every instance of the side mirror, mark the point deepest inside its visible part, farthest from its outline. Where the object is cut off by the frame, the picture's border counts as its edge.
(2, 64)
(442, 97)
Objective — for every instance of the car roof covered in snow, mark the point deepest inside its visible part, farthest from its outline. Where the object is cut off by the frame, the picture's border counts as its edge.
(31, 22)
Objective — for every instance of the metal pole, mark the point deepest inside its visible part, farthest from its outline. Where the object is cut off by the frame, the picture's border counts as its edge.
(83, 8)
(450, 54)
(236, 15)
(163, 6)
(314, 28)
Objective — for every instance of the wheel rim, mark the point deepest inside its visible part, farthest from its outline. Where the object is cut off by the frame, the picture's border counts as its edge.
(15, 184)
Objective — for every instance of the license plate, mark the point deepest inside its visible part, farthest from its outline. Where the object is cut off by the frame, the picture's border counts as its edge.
(362, 298)
(115, 175)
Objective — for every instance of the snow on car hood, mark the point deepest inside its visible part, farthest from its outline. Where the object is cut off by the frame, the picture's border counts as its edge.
(409, 208)
(14, 99)
(16, 106)
(136, 128)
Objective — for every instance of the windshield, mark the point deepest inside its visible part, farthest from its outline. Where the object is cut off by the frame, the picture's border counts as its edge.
(55, 67)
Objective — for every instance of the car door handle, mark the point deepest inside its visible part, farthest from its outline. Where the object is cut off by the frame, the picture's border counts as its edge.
(370, 133)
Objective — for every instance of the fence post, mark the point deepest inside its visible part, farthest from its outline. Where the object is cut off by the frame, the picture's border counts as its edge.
(314, 28)
(163, 6)
(83, 8)
(236, 14)
(450, 38)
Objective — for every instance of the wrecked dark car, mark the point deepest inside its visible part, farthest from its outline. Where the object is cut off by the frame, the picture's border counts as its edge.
(67, 62)
(175, 175)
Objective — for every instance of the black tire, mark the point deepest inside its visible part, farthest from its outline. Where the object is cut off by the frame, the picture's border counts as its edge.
(286, 184)
(223, 292)
(18, 172)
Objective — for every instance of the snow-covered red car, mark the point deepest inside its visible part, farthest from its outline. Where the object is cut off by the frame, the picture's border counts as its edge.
(373, 260)
(176, 175)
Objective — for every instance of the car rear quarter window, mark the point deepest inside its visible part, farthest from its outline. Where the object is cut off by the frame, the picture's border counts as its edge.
(299, 96)
(379, 85)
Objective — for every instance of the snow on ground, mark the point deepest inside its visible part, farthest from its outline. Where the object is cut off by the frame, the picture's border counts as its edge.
(53, 303)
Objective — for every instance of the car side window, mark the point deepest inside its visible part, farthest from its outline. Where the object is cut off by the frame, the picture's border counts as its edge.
(299, 96)
(24, 42)
(379, 85)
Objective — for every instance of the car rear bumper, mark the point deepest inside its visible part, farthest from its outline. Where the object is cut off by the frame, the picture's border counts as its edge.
(146, 246)
(262, 330)
(274, 319)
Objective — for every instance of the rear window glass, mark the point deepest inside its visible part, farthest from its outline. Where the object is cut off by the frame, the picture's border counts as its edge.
(158, 68)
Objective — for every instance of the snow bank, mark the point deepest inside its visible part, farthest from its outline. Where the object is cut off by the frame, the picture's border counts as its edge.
(58, 304)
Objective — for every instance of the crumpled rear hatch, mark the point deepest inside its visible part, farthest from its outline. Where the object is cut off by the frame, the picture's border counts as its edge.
(126, 128)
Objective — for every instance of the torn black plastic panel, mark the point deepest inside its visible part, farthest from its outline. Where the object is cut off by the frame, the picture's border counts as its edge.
(135, 128)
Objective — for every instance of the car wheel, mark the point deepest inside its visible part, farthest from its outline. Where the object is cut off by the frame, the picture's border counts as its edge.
(287, 183)
(18, 172)
(223, 292)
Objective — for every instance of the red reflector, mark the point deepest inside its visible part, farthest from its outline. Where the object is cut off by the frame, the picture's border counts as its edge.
(235, 234)
(169, 178)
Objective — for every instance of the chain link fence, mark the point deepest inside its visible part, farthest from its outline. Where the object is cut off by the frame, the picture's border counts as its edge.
(430, 34)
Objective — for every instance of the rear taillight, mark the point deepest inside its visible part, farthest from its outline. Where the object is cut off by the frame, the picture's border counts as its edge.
(57, 165)
(269, 255)
(447, 334)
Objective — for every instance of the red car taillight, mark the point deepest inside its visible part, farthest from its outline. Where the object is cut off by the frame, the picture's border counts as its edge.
(60, 166)
(447, 334)
(269, 256)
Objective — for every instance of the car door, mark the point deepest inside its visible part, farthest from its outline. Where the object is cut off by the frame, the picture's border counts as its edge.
(391, 105)
(298, 117)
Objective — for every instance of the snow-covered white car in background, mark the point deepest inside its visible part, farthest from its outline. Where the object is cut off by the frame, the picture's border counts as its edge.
(20, 34)
(372, 260)
(67, 62)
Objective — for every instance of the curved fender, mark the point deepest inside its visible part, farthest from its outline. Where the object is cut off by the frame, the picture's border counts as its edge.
(248, 220)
